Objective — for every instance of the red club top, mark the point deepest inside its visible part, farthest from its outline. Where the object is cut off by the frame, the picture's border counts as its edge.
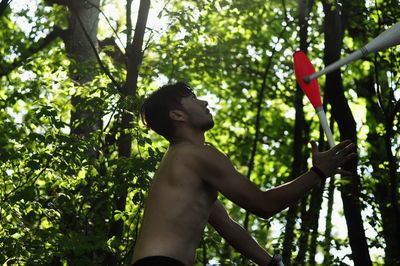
(302, 68)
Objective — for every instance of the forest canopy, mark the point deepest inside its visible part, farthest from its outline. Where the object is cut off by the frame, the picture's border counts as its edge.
(76, 161)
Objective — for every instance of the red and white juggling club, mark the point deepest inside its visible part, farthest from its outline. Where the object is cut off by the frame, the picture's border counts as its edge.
(303, 67)
(388, 38)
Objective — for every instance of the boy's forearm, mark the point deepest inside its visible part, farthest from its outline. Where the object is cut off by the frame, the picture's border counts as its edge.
(281, 197)
(240, 239)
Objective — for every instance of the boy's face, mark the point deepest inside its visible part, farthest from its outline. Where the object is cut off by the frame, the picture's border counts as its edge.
(198, 115)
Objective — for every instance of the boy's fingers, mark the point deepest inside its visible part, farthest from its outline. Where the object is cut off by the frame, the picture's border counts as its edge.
(314, 146)
(341, 146)
(347, 157)
(349, 148)
(351, 156)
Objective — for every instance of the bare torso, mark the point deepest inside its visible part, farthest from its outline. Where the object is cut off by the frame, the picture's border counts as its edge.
(177, 209)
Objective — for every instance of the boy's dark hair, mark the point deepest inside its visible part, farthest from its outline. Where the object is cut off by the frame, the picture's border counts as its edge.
(155, 109)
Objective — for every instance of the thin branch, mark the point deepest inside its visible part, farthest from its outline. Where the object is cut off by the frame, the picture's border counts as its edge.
(378, 15)
(102, 66)
(24, 183)
(58, 2)
(36, 47)
(378, 90)
(285, 12)
(108, 22)
(152, 35)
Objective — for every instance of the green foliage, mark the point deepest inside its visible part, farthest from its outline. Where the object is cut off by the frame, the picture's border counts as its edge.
(59, 191)
(57, 188)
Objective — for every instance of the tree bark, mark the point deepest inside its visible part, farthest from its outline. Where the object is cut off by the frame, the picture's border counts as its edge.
(390, 195)
(80, 38)
(315, 208)
(350, 190)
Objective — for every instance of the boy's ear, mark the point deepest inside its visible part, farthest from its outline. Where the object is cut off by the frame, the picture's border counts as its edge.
(177, 115)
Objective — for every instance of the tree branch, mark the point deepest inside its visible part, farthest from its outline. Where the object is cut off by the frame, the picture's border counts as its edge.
(134, 50)
(3, 6)
(128, 22)
(36, 47)
(33, 179)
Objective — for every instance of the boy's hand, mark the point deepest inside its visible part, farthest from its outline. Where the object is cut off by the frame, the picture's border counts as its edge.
(329, 161)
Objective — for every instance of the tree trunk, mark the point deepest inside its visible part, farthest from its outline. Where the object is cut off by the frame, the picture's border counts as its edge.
(315, 208)
(302, 243)
(350, 190)
(316, 203)
(80, 39)
(134, 54)
(80, 44)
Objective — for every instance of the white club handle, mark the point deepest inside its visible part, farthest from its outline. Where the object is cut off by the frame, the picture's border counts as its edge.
(388, 38)
(325, 126)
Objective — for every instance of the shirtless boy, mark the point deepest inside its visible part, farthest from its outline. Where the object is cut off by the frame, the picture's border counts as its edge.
(183, 195)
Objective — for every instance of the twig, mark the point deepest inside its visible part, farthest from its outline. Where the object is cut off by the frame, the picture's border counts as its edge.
(24, 183)
(3, 6)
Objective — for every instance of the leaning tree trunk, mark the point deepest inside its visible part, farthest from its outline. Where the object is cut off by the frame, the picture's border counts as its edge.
(383, 189)
(298, 143)
(393, 191)
(390, 112)
(350, 190)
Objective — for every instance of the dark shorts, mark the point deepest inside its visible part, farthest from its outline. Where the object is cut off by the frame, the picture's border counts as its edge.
(158, 261)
